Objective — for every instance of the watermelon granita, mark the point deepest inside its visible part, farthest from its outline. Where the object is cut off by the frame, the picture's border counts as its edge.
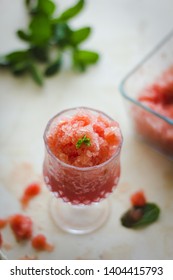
(82, 155)
(157, 129)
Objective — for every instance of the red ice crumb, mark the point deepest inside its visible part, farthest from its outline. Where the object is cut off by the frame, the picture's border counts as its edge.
(30, 192)
(40, 243)
(0, 240)
(138, 199)
(26, 257)
(21, 226)
(3, 223)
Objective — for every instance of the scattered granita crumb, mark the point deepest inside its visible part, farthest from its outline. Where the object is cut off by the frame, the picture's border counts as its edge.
(26, 257)
(39, 242)
(21, 226)
(30, 192)
(138, 198)
(135, 214)
(3, 223)
(0, 240)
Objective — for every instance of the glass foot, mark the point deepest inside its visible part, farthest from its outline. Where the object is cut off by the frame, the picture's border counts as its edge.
(79, 219)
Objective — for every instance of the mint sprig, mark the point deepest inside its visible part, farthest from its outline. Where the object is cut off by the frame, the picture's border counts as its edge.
(84, 140)
(48, 38)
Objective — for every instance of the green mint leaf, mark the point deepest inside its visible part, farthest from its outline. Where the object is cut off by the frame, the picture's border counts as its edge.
(46, 7)
(40, 28)
(23, 35)
(19, 68)
(53, 68)
(71, 12)
(35, 74)
(62, 33)
(138, 217)
(85, 57)
(80, 67)
(17, 56)
(84, 140)
(151, 214)
(79, 35)
(40, 53)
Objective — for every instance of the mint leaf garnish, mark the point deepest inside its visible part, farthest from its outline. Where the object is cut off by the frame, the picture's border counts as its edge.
(84, 140)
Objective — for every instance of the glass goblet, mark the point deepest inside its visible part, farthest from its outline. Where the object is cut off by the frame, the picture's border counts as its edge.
(79, 203)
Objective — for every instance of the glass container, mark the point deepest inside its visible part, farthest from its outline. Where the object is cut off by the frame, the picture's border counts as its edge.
(150, 125)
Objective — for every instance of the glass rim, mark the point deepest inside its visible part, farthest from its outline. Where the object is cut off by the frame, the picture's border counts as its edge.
(131, 72)
(116, 154)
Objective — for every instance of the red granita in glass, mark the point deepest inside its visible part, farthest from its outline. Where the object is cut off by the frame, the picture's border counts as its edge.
(82, 155)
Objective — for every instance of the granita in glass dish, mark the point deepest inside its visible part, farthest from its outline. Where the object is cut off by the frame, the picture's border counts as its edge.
(148, 92)
(81, 166)
(159, 98)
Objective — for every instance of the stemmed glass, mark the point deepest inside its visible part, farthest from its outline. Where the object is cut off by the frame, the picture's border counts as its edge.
(79, 204)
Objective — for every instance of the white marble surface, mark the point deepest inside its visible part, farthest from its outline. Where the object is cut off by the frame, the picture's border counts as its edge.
(124, 31)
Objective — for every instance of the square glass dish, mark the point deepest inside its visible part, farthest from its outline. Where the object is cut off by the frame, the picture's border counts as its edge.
(148, 94)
